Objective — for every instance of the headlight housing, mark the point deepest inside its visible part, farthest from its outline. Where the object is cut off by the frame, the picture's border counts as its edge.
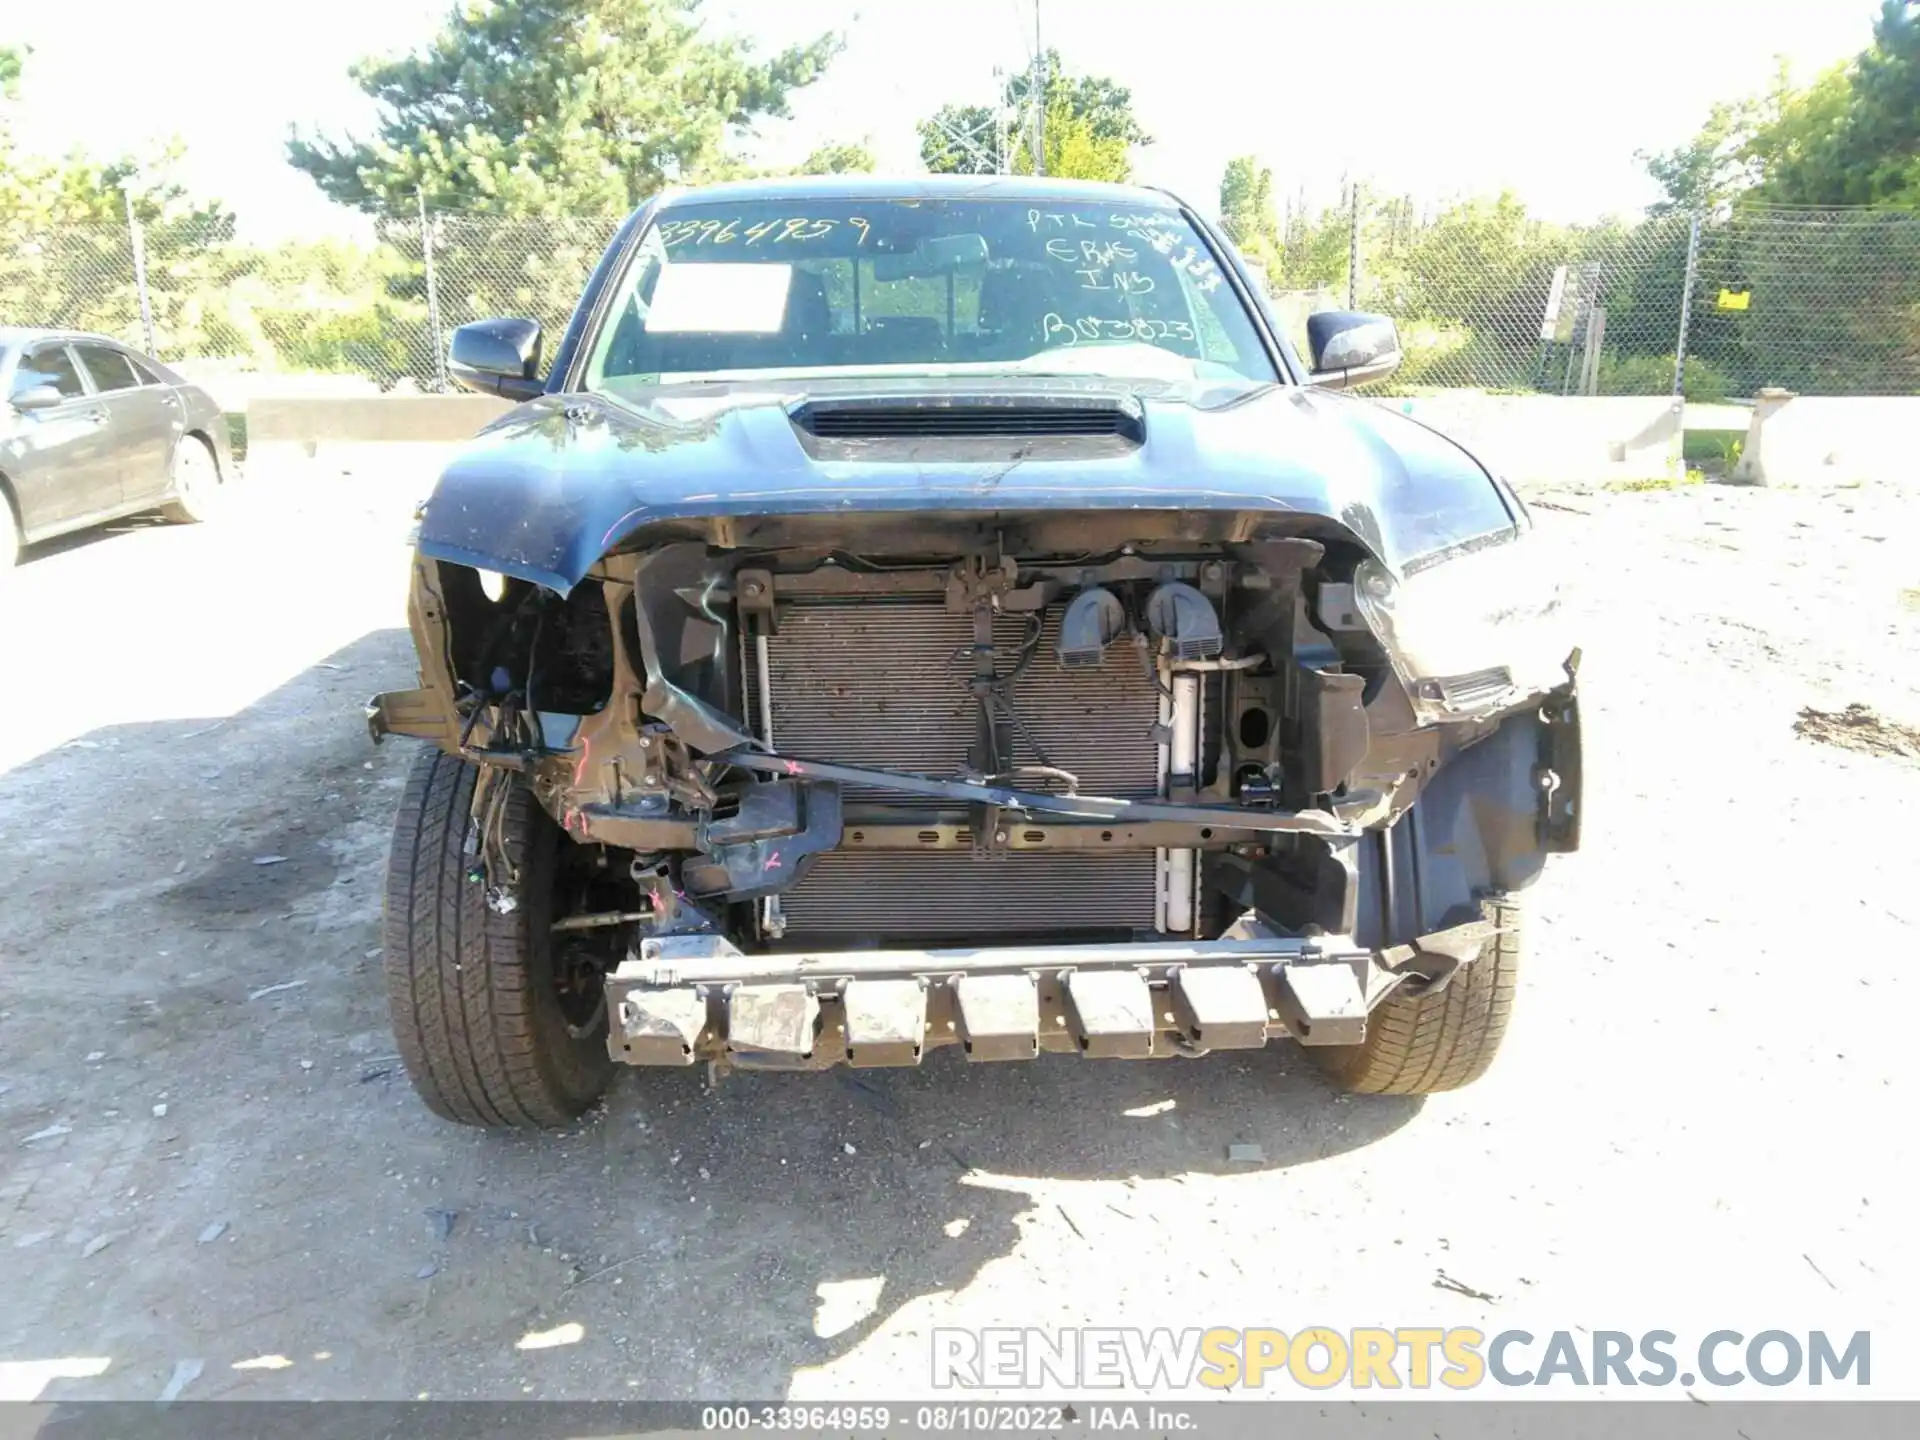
(1472, 633)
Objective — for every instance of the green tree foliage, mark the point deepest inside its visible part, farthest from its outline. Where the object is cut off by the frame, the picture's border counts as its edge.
(69, 256)
(1790, 151)
(1246, 210)
(1712, 168)
(1091, 129)
(962, 140)
(331, 305)
(1102, 105)
(1075, 147)
(1851, 137)
(1854, 137)
(546, 107)
(1831, 302)
(838, 159)
(1314, 249)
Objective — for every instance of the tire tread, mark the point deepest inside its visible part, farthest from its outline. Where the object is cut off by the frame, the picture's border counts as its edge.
(1427, 1043)
(460, 980)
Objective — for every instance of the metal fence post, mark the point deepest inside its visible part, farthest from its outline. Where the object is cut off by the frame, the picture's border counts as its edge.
(1353, 247)
(1686, 306)
(139, 239)
(436, 349)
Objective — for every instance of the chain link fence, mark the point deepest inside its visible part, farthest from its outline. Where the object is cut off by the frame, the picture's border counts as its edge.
(1821, 302)
(381, 312)
(1485, 304)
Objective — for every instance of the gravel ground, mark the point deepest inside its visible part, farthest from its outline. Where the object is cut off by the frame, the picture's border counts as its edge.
(209, 1154)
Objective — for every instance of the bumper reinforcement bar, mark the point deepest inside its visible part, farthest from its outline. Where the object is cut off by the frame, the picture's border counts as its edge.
(697, 997)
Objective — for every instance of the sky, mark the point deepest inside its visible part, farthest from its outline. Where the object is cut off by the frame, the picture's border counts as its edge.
(1547, 98)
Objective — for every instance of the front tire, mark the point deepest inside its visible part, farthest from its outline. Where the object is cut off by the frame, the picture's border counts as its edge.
(476, 1010)
(196, 482)
(1421, 1044)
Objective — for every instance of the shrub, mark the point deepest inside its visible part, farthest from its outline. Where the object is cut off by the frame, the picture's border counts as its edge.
(1653, 375)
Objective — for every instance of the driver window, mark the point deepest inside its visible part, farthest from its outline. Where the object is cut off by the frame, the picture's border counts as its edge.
(49, 365)
(110, 369)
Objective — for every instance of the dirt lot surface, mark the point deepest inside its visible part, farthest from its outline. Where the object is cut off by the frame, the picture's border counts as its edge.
(214, 1176)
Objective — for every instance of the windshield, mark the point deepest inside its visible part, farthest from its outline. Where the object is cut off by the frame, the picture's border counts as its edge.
(775, 288)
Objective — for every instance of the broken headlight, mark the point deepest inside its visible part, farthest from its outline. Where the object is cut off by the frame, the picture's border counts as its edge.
(1471, 633)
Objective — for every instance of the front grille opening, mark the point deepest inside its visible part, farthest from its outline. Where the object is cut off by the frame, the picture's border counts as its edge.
(872, 683)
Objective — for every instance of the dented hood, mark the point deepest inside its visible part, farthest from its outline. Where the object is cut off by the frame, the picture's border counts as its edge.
(550, 487)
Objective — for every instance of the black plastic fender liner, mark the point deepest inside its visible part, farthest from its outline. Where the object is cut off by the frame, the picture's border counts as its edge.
(675, 604)
(1333, 726)
(1476, 830)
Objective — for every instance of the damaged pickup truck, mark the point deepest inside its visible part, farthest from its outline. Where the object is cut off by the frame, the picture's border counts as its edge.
(948, 612)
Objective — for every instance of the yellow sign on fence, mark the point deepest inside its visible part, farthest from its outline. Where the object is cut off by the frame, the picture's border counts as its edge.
(1735, 299)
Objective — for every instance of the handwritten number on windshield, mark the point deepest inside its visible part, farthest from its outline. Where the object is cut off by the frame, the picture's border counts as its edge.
(1056, 329)
(795, 228)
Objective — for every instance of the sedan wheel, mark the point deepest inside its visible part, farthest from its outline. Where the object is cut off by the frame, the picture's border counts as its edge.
(196, 482)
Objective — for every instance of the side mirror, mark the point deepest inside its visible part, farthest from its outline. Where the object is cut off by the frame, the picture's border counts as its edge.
(497, 357)
(38, 397)
(1351, 347)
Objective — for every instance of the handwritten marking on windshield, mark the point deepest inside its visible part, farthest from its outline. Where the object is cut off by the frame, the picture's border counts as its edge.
(1127, 282)
(1038, 220)
(1092, 254)
(1058, 329)
(780, 230)
(1191, 260)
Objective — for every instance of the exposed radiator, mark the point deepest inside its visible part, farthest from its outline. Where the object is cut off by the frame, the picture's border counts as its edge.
(949, 893)
(882, 682)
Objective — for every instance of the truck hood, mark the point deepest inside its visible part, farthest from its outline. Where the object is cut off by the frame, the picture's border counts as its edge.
(551, 486)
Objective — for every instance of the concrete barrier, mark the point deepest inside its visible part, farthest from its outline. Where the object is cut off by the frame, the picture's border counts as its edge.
(235, 390)
(1819, 439)
(405, 436)
(1541, 439)
(1530, 439)
(373, 419)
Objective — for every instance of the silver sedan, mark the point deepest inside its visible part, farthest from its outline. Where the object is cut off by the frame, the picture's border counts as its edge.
(90, 431)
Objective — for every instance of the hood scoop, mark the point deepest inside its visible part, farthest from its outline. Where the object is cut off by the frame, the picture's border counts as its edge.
(967, 418)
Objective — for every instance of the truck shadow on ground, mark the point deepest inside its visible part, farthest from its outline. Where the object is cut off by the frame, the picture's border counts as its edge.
(797, 1193)
(680, 1243)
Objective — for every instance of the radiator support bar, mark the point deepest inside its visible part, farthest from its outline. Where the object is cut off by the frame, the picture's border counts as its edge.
(1348, 817)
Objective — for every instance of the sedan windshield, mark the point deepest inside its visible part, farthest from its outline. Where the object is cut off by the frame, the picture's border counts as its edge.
(776, 288)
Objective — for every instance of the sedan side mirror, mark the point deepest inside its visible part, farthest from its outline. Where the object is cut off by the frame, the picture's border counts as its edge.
(38, 397)
(497, 357)
(1351, 347)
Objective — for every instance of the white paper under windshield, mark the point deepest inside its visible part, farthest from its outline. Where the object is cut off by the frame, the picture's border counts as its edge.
(719, 300)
